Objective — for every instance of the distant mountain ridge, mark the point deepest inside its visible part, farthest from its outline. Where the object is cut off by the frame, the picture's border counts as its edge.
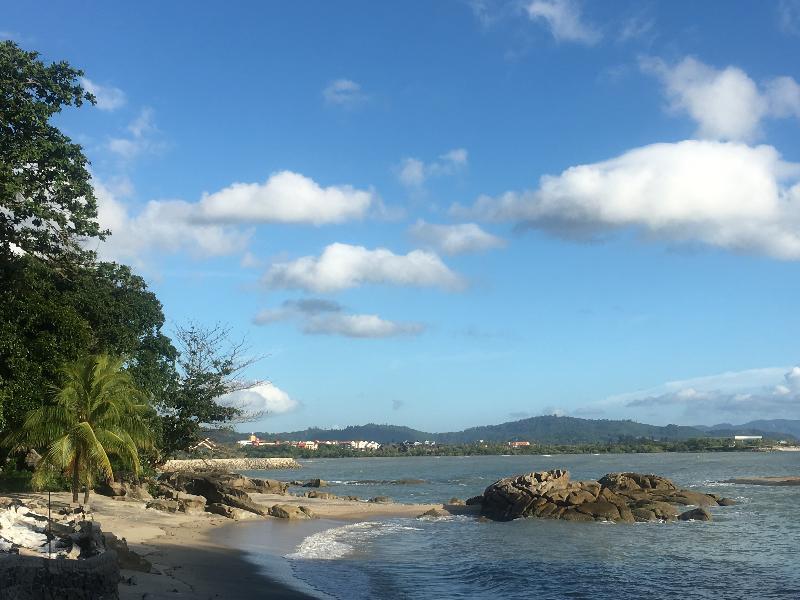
(544, 429)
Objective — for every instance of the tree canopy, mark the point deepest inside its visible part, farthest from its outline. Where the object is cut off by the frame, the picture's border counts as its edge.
(47, 203)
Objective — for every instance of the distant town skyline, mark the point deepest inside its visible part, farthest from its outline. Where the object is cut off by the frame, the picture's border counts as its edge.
(459, 213)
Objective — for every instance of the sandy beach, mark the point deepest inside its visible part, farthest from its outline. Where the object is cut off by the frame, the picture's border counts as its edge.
(204, 556)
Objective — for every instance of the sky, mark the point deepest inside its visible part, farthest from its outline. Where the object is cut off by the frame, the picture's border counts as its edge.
(457, 213)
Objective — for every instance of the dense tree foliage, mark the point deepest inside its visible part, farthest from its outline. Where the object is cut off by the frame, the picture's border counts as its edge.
(46, 199)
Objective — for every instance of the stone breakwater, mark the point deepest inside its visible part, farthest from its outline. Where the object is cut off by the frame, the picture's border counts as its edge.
(230, 464)
(618, 497)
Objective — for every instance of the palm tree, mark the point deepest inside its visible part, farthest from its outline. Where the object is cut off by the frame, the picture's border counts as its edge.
(97, 413)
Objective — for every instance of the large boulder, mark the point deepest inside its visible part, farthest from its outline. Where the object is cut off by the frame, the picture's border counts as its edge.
(696, 514)
(289, 511)
(215, 488)
(617, 497)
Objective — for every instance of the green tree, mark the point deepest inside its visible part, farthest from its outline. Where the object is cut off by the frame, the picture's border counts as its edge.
(47, 203)
(98, 413)
(49, 317)
(209, 366)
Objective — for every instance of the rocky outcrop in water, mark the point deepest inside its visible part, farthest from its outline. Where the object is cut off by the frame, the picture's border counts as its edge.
(618, 497)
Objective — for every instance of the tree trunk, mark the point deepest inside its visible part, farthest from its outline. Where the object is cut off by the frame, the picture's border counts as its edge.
(75, 482)
(86, 495)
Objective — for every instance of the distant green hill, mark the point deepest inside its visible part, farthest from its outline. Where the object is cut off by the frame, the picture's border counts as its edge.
(544, 429)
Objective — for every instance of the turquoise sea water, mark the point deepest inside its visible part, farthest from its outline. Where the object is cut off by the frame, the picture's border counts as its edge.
(751, 550)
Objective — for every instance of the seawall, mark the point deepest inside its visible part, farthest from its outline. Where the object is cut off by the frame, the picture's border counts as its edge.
(230, 464)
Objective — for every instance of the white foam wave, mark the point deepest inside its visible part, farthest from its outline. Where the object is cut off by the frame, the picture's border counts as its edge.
(340, 542)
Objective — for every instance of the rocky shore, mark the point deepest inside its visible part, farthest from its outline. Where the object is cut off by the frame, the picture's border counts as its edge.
(617, 497)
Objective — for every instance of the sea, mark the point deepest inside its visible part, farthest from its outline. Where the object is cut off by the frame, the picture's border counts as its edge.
(749, 551)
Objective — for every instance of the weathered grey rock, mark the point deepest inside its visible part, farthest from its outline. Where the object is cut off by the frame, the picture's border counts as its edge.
(474, 500)
(226, 511)
(316, 483)
(696, 514)
(289, 511)
(321, 495)
(111, 488)
(726, 502)
(380, 499)
(456, 502)
(618, 497)
(434, 513)
(190, 503)
(214, 488)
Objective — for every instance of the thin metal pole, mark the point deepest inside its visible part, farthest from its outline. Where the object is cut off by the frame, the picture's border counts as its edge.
(49, 527)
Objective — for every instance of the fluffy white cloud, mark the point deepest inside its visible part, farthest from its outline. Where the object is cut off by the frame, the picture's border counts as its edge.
(108, 97)
(455, 239)
(413, 172)
(565, 21)
(159, 227)
(325, 317)
(286, 197)
(726, 104)
(264, 398)
(344, 92)
(723, 194)
(342, 266)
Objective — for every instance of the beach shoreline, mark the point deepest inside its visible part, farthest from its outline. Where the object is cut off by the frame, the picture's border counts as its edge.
(201, 555)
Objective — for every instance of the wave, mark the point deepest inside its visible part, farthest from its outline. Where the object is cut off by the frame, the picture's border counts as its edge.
(339, 542)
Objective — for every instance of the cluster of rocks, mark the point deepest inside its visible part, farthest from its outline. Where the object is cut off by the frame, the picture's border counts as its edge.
(617, 497)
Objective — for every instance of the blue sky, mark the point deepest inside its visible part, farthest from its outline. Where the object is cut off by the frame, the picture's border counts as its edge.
(458, 213)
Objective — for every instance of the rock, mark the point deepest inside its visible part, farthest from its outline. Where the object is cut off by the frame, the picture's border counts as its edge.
(380, 499)
(89, 538)
(127, 558)
(456, 502)
(137, 491)
(214, 487)
(227, 511)
(726, 502)
(599, 509)
(351, 498)
(474, 500)
(111, 488)
(642, 515)
(618, 497)
(289, 511)
(189, 503)
(434, 513)
(696, 514)
(163, 505)
(321, 495)
(316, 483)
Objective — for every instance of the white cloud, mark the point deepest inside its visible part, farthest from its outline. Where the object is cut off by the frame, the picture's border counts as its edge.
(722, 194)
(565, 21)
(344, 92)
(359, 326)
(455, 239)
(413, 172)
(142, 139)
(159, 227)
(325, 317)
(108, 97)
(737, 396)
(342, 266)
(286, 197)
(726, 104)
(263, 398)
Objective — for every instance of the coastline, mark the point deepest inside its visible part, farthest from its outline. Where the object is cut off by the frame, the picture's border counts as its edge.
(201, 555)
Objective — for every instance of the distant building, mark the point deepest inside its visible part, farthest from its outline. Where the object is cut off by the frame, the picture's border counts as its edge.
(519, 444)
(747, 438)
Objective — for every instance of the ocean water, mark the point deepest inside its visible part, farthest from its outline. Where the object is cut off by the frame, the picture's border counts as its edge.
(751, 550)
